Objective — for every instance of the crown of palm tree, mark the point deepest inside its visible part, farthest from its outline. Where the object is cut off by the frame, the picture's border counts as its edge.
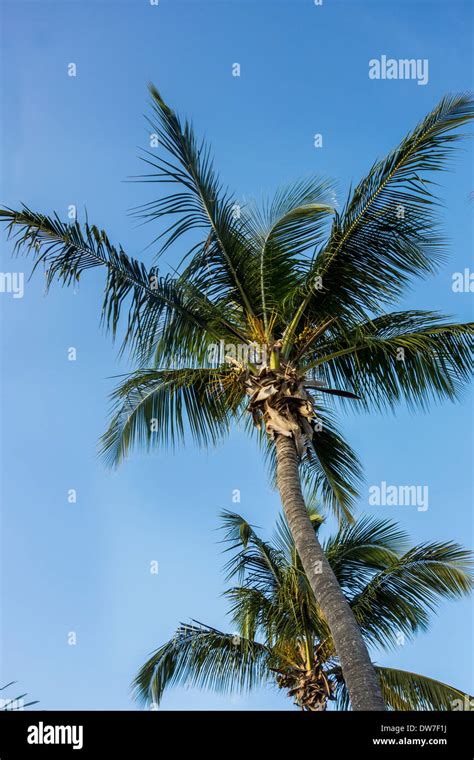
(309, 284)
(281, 636)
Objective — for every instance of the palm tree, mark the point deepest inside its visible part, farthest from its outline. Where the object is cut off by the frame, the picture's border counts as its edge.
(275, 309)
(283, 639)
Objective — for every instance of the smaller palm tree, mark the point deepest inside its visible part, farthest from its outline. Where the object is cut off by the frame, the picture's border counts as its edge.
(282, 637)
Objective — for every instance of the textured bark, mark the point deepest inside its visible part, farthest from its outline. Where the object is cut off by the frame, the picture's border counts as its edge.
(359, 673)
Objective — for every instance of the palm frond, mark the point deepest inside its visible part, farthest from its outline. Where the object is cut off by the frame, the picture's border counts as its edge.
(403, 690)
(220, 264)
(274, 598)
(67, 250)
(154, 407)
(283, 538)
(254, 610)
(414, 356)
(334, 472)
(201, 656)
(280, 232)
(399, 598)
(387, 233)
(254, 559)
(357, 551)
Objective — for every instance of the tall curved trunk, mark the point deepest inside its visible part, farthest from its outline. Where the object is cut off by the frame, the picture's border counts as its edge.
(357, 669)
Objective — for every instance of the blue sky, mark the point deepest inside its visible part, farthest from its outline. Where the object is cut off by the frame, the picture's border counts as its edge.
(85, 567)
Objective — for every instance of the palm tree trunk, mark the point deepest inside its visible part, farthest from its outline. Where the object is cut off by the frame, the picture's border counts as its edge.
(357, 669)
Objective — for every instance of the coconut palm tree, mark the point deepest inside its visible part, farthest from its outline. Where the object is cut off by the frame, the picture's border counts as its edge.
(276, 309)
(280, 635)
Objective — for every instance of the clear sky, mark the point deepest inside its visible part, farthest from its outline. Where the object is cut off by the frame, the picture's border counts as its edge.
(85, 566)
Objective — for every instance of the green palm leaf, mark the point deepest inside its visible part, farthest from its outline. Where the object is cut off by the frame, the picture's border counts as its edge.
(221, 264)
(403, 690)
(387, 232)
(154, 407)
(358, 550)
(67, 250)
(415, 356)
(406, 691)
(201, 656)
(281, 232)
(257, 559)
(334, 473)
(400, 597)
